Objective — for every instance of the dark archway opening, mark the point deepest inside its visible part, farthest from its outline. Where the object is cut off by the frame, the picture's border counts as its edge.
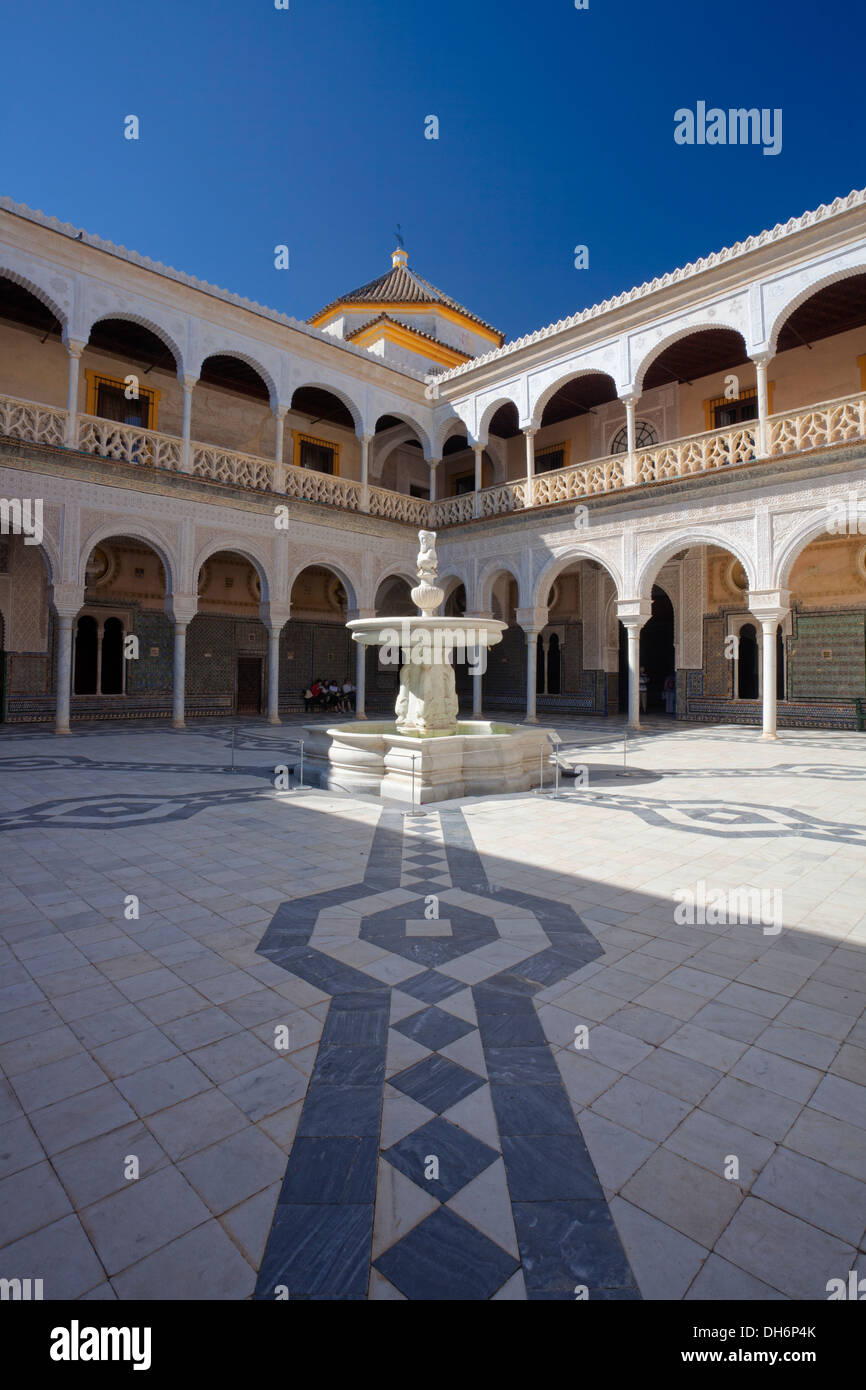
(112, 657)
(780, 663)
(747, 663)
(554, 666)
(86, 648)
(657, 651)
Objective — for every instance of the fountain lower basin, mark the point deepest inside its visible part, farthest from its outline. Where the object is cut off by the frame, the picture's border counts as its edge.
(480, 759)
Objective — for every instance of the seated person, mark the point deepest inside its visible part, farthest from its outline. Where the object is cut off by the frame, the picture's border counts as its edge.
(348, 702)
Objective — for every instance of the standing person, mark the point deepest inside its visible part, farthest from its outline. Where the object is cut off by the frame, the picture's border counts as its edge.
(670, 691)
(643, 684)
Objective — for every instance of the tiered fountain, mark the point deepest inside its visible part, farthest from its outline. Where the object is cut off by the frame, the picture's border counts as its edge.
(425, 747)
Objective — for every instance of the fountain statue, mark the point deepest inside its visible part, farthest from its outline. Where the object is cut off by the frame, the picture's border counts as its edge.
(426, 742)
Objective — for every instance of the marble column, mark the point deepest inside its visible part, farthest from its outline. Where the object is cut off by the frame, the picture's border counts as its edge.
(178, 688)
(531, 676)
(75, 350)
(478, 450)
(761, 382)
(631, 462)
(434, 464)
(366, 440)
(279, 447)
(64, 672)
(274, 674)
(186, 428)
(530, 465)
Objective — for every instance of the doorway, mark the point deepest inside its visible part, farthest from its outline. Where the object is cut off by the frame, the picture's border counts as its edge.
(657, 655)
(249, 685)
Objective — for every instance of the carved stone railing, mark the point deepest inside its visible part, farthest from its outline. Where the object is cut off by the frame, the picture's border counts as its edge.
(109, 439)
(396, 506)
(504, 497)
(309, 486)
(829, 424)
(41, 424)
(700, 453)
(450, 511)
(584, 480)
(226, 466)
(817, 427)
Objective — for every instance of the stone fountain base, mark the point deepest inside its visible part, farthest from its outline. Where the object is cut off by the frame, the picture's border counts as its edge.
(481, 759)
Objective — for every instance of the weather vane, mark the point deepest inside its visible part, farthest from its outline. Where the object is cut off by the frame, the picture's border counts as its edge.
(399, 235)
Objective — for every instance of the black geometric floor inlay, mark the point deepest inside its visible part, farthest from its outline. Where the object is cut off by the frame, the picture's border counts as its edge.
(502, 946)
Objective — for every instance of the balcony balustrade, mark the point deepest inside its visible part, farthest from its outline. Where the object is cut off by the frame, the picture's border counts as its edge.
(828, 425)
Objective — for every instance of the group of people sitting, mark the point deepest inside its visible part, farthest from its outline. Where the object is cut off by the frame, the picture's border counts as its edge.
(328, 695)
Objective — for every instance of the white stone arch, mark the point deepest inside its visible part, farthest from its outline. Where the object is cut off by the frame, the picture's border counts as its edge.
(568, 373)
(321, 382)
(352, 586)
(248, 549)
(811, 528)
(685, 330)
(136, 530)
(395, 571)
(30, 283)
(653, 563)
(505, 397)
(122, 311)
(382, 452)
(816, 279)
(486, 579)
(560, 562)
(455, 424)
(253, 360)
(413, 426)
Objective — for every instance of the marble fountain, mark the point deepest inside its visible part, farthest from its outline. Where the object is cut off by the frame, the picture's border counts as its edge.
(425, 753)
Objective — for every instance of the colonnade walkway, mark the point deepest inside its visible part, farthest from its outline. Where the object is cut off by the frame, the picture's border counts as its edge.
(266, 1043)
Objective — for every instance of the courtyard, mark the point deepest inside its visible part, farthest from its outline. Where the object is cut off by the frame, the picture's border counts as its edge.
(267, 1043)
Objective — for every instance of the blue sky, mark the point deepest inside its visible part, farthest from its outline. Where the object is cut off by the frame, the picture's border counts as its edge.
(306, 127)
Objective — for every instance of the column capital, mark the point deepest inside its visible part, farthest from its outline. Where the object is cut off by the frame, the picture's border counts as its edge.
(529, 430)
(769, 605)
(629, 396)
(634, 612)
(281, 410)
(180, 609)
(365, 438)
(532, 620)
(67, 599)
(761, 358)
(74, 346)
(275, 615)
(188, 381)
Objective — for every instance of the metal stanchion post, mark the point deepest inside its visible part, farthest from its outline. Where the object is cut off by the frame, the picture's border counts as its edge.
(301, 782)
(415, 811)
(233, 748)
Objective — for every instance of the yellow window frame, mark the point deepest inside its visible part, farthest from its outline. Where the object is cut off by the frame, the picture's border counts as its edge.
(300, 438)
(97, 379)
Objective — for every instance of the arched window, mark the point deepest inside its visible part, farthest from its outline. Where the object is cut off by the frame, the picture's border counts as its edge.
(644, 438)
